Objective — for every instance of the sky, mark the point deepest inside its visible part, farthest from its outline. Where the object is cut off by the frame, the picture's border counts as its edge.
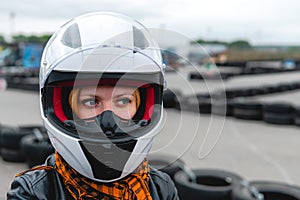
(258, 21)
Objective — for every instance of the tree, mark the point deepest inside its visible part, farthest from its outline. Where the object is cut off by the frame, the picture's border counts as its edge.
(19, 38)
(45, 38)
(201, 41)
(2, 40)
(240, 44)
(32, 38)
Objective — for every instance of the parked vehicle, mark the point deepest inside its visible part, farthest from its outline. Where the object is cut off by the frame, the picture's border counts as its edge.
(21, 59)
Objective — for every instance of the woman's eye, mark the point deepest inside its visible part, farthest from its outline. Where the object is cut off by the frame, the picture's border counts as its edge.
(124, 101)
(89, 102)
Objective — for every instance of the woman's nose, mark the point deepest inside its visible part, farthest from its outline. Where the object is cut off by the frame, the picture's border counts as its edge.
(107, 106)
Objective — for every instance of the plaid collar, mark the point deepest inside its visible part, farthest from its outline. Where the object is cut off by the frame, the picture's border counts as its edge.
(134, 186)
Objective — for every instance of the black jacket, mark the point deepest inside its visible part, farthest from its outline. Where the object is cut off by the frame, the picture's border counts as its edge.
(42, 184)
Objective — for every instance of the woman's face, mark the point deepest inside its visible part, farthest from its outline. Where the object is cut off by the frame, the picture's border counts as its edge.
(92, 101)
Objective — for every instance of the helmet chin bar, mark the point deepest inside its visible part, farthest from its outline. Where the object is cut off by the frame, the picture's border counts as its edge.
(106, 142)
(107, 160)
(106, 126)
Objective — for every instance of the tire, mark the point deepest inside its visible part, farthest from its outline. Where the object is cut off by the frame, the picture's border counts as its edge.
(187, 104)
(282, 119)
(210, 184)
(233, 93)
(247, 110)
(195, 76)
(246, 92)
(277, 191)
(228, 93)
(219, 108)
(272, 89)
(204, 105)
(297, 111)
(278, 108)
(297, 121)
(3, 129)
(10, 138)
(195, 104)
(247, 105)
(259, 91)
(297, 116)
(284, 87)
(294, 86)
(170, 98)
(245, 191)
(12, 155)
(247, 114)
(167, 163)
(263, 90)
(36, 151)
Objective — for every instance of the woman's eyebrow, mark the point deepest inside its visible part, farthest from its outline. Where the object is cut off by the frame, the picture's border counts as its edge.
(124, 94)
(88, 95)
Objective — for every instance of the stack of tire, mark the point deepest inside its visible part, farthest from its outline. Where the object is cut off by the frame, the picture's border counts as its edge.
(200, 103)
(250, 110)
(167, 163)
(24, 83)
(279, 113)
(217, 184)
(276, 191)
(297, 116)
(213, 184)
(25, 144)
(170, 98)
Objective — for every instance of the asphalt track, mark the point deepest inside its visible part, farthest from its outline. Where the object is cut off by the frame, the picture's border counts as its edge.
(254, 149)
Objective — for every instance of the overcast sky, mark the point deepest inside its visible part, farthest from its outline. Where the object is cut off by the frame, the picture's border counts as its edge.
(258, 21)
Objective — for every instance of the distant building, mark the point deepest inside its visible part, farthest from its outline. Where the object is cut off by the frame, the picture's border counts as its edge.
(204, 53)
(272, 48)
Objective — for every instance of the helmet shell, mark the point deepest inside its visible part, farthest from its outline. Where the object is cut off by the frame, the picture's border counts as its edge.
(97, 46)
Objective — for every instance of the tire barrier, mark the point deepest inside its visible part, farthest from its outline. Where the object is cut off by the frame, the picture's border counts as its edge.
(279, 109)
(215, 184)
(10, 142)
(273, 118)
(232, 93)
(277, 191)
(272, 89)
(223, 76)
(173, 98)
(168, 164)
(245, 191)
(278, 113)
(170, 98)
(210, 184)
(24, 83)
(3, 128)
(12, 155)
(247, 110)
(251, 71)
(297, 116)
(36, 148)
(223, 108)
(201, 104)
(204, 105)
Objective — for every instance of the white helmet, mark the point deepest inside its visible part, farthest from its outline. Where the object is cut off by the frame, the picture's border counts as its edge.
(102, 49)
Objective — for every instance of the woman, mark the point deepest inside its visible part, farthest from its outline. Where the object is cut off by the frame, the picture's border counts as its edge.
(101, 81)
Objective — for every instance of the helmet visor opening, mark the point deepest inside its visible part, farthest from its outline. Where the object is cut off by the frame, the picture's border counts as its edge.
(78, 107)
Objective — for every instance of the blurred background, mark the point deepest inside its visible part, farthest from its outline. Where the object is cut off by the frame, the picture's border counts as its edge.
(232, 101)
